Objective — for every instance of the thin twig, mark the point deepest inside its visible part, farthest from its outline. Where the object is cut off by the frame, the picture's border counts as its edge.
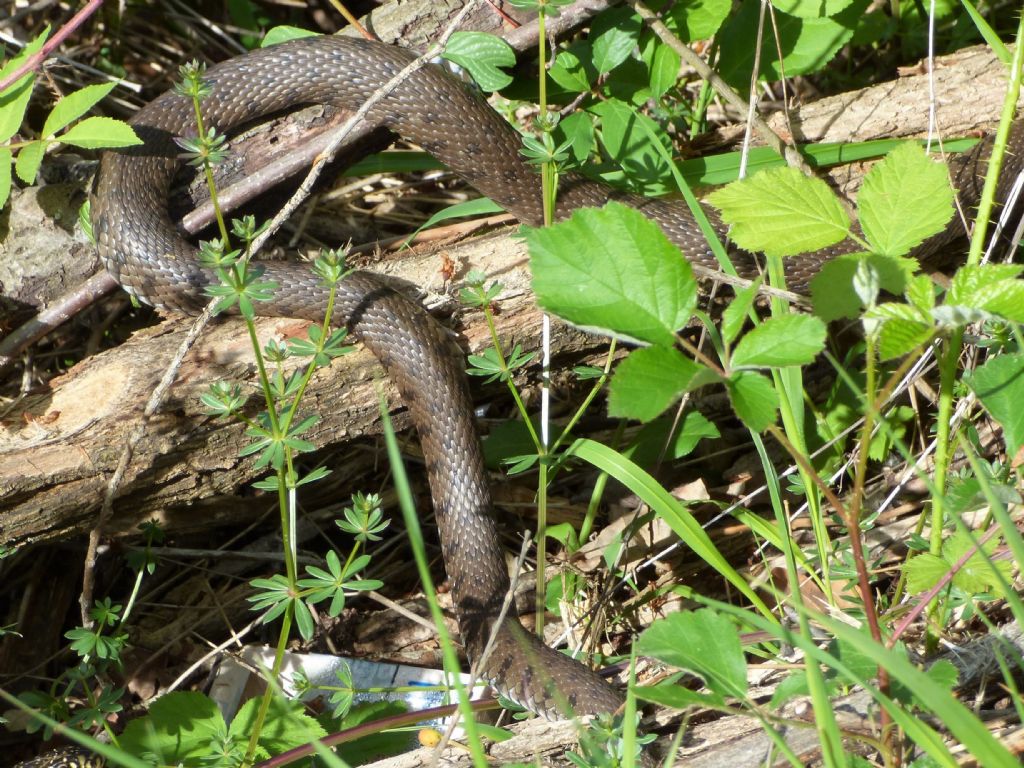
(33, 61)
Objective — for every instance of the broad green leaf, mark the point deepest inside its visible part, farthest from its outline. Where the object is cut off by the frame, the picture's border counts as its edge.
(179, 726)
(971, 284)
(832, 294)
(614, 35)
(15, 97)
(578, 129)
(975, 575)
(1005, 299)
(791, 686)
(811, 9)
(284, 33)
(780, 341)
(482, 55)
(906, 180)
(395, 161)
(6, 161)
(286, 726)
(903, 327)
(13, 103)
(478, 206)
(73, 106)
(704, 643)
(807, 45)
(921, 292)
(612, 269)
(569, 72)
(694, 428)
(100, 133)
(663, 69)
(754, 399)
(672, 695)
(30, 157)
(781, 212)
(625, 135)
(649, 381)
(965, 726)
(923, 571)
(999, 384)
(735, 315)
(663, 440)
(696, 19)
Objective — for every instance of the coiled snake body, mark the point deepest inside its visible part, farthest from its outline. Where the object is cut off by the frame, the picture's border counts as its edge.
(141, 247)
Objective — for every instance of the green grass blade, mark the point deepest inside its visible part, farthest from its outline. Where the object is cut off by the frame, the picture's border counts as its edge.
(667, 507)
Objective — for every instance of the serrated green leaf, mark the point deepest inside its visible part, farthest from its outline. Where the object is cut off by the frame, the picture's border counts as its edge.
(975, 575)
(924, 571)
(179, 726)
(906, 180)
(13, 103)
(970, 284)
(754, 399)
(15, 97)
(6, 161)
(612, 269)
(903, 327)
(286, 725)
(993, 289)
(30, 157)
(999, 384)
(664, 440)
(735, 315)
(100, 133)
(482, 55)
(781, 212)
(73, 106)
(703, 643)
(921, 292)
(649, 381)
(780, 341)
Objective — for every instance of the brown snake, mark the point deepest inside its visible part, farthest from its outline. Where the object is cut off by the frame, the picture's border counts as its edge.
(143, 250)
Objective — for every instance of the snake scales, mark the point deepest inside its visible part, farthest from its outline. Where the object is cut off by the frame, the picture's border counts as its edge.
(141, 247)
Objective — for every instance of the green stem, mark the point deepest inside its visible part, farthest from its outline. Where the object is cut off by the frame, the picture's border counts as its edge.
(995, 162)
(211, 185)
(549, 180)
(948, 358)
(268, 695)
